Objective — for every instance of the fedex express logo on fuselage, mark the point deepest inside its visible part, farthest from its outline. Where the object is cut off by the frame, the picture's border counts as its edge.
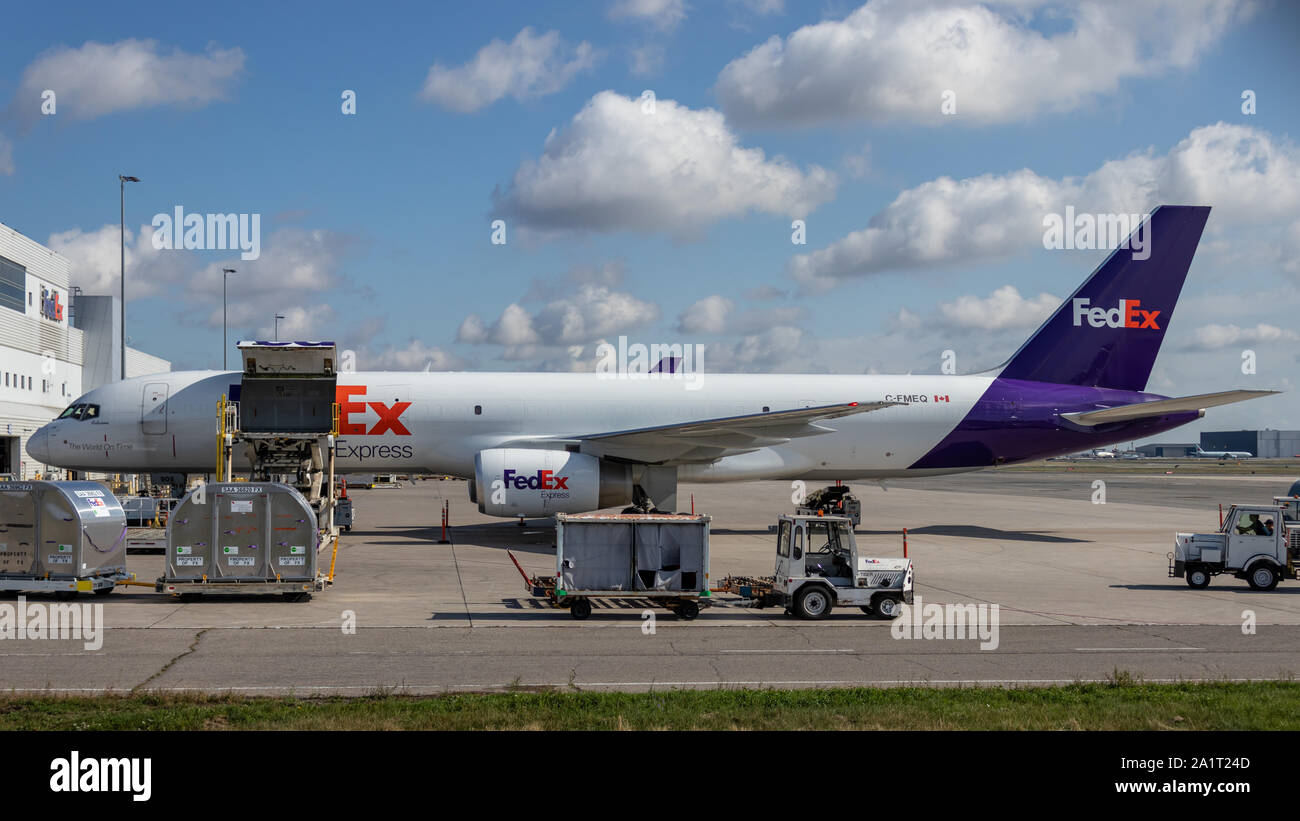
(541, 480)
(389, 415)
(1129, 314)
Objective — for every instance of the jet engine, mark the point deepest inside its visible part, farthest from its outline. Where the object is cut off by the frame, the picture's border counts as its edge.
(511, 482)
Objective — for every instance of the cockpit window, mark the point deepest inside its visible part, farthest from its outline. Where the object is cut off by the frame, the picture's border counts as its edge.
(80, 411)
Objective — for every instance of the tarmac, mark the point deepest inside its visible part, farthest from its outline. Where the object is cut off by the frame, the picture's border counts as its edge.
(1081, 588)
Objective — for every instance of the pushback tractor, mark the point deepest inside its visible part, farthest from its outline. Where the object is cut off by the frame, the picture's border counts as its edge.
(1258, 543)
(819, 567)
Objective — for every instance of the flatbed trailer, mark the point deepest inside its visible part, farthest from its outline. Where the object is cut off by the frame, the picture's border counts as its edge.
(293, 591)
(103, 585)
(685, 605)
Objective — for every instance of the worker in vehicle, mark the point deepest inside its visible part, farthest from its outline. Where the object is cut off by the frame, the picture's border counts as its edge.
(1251, 526)
(1268, 525)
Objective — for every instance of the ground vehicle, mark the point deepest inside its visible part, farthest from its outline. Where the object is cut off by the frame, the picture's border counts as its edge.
(835, 500)
(818, 567)
(1258, 543)
(656, 557)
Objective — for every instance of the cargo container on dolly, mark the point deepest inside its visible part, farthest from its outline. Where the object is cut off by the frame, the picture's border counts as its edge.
(660, 558)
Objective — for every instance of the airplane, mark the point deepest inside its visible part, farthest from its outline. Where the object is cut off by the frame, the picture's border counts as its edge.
(1223, 454)
(536, 444)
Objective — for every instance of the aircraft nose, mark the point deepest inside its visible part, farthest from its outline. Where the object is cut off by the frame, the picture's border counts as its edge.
(38, 446)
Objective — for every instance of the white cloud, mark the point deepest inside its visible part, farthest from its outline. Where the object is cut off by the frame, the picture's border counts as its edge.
(527, 67)
(472, 330)
(618, 167)
(763, 293)
(858, 163)
(415, 356)
(662, 14)
(1214, 336)
(1249, 177)
(646, 60)
(891, 60)
(716, 314)
(1004, 308)
(95, 261)
(781, 349)
(294, 261)
(706, 316)
(102, 78)
(590, 312)
(300, 322)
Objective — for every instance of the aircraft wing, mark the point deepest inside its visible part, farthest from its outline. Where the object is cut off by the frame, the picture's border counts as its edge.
(708, 439)
(1161, 407)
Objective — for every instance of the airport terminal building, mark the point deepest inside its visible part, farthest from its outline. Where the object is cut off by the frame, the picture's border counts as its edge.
(55, 344)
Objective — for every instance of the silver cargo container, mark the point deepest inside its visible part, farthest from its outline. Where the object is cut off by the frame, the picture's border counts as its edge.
(657, 556)
(61, 533)
(236, 532)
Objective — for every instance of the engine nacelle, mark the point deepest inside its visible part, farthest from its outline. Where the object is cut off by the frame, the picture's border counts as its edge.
(512, 482)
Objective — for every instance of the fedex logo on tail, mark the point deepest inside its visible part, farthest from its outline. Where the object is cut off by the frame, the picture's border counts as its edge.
(1129, 314)
(542, 480)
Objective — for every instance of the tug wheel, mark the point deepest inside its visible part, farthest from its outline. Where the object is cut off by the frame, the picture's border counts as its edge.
(1262, 576)
(813, 602)
(888, 607)
(1198, 579)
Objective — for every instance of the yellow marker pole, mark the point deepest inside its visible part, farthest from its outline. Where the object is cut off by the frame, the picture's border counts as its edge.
(334, 558)
(221, 435)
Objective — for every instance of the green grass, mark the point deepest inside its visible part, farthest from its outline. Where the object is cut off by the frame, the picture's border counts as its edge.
(1122, 704)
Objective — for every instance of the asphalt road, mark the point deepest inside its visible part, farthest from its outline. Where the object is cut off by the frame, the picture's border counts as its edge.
(1081, 587)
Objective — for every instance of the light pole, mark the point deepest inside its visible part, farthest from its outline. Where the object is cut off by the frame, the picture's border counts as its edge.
(225, 274)
(278, 317)
(122, 181)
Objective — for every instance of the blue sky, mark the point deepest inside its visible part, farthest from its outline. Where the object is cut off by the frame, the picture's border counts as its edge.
(376, 226)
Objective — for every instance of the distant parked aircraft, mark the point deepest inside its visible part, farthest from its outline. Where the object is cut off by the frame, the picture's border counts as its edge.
(1223, 454)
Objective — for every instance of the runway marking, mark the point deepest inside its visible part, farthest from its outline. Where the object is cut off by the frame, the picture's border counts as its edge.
(1133, 649)
(766, 652)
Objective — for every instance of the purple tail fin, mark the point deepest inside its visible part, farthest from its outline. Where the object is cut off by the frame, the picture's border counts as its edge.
(1107, 334)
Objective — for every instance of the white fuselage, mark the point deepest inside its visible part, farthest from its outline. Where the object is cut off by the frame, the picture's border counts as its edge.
(167, 422)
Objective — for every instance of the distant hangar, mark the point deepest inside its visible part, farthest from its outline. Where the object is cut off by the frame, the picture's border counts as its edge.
(1265, 444)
